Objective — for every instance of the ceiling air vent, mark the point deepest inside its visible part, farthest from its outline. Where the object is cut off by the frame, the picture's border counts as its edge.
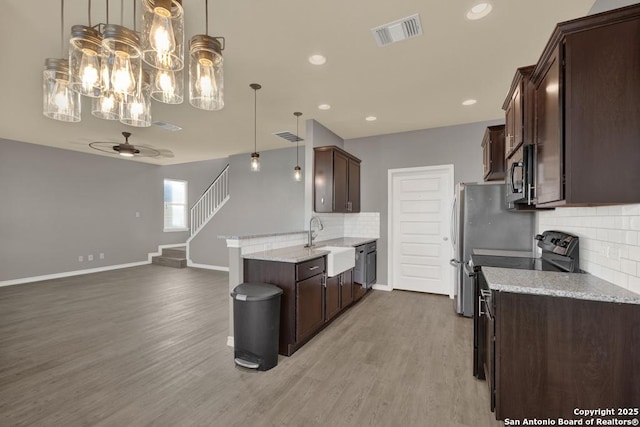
(395, 31)
(291, 137)
(167, 126)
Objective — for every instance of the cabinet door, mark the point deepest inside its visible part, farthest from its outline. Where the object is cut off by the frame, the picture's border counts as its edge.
(486, 156)
(346, 293)
(354, 186)
(323, 181)
(510, 125)
(340, 179)
(332, 297)
(548, 131)
(309, 309)
(489, 352)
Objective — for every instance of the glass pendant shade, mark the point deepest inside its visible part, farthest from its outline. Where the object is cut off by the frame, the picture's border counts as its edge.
(107, 106)
(60, 102)
(162, 35)
(121, 61)
(136, 111)
(168, 86)
(297, 173)
(206, 83)
(84, 60)
(255, 162)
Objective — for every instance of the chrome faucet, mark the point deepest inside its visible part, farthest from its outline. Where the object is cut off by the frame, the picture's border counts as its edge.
(311, 236)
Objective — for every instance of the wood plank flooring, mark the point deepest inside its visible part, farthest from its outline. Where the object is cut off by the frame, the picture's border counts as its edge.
(147, 346)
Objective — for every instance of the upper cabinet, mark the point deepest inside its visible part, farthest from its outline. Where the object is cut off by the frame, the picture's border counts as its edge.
(587, 114)
(336, 180)
(493, 153)
(518, 107)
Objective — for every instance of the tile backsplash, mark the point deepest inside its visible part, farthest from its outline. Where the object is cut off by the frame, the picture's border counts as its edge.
(609, 240)
(336, 225)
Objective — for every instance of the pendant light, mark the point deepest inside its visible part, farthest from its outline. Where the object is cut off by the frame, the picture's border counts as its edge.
(168, 86)
(255, 156)
(84, 59)
(206, 80)
(137, 111)
(59, 101)
(297, 171)
(162, 35)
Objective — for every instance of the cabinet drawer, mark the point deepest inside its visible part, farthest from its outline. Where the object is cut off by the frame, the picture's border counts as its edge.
(309, 268)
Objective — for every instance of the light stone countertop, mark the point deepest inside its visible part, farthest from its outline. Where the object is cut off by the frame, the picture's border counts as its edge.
(299, 253)
(254, 236)
(551, 283)
(515, 254)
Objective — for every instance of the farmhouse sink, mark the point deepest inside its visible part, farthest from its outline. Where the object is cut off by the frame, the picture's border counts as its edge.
(339, 259)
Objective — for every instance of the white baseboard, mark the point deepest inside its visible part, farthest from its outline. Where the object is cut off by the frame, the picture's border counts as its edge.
(206, 266)
(71, 273)
(379, 287)
(230, 342)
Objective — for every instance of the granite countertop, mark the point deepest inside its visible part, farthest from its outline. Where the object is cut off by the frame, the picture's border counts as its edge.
(515, 254)
(299, 253)
(570, 285)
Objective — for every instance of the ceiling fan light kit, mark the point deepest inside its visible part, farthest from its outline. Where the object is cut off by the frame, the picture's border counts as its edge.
(125, 149)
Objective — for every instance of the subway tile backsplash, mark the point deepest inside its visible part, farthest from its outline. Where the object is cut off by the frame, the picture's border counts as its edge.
(336, 225)
(609, 240)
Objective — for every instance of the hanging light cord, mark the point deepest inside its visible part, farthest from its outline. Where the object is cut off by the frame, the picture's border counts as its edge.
(255, 119)
(134, 16)
(297, 139)
(89, 12)
(62, 28)
(122, 12)
(206, 17)
(107, 12)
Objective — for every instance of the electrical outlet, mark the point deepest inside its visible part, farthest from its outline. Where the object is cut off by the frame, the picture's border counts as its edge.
(80, 258)
(101, 255)
(90, 257)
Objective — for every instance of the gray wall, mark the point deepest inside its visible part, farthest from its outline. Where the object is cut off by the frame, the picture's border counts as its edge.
(269, 201)
(456, 145)
(59, 204)
(604, 5)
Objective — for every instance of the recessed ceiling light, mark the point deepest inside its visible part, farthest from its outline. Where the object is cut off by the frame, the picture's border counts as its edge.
(469, 102)
(479, 11)
(371, 118)
(317, 59)
(324, 106)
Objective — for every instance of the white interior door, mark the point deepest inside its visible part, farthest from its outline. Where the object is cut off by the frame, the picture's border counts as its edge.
(419, 220)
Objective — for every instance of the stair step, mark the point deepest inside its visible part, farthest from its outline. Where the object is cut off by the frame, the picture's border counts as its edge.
(175, 252)
(169, 261)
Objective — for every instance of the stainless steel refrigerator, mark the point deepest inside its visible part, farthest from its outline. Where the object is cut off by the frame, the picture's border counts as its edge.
(480, 221)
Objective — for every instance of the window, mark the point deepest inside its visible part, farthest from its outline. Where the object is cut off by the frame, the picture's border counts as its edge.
(175, 205)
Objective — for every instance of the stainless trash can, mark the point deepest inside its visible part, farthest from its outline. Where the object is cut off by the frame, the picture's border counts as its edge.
(256, 325)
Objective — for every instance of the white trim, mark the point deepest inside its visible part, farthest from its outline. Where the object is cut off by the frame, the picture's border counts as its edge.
(391, 173)
(206, 266)
(379, 287)
(186, 207)
(71, 273)
(234, 243)
(230, 342)
(175, 230)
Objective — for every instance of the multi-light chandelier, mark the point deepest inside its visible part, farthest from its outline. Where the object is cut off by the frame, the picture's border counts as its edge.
(122, 69)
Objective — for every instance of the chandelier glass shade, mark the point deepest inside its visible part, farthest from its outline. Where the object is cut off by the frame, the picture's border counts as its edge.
(84, 60)
(121, 61)
(106, 107)
(168, 86)
(59, 101)
(206, 82)
(162, 35)
(136, 110)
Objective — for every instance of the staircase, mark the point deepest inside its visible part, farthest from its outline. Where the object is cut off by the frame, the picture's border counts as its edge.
(211, 201)
(175, 257)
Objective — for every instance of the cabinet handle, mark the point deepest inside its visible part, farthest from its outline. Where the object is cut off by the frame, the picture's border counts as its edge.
(324, 280)
(480, 300)
(315, 267)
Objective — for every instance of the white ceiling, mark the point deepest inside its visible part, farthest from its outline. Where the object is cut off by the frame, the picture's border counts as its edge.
(414, 84)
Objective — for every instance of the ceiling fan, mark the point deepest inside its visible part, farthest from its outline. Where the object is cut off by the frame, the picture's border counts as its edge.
(125, 149)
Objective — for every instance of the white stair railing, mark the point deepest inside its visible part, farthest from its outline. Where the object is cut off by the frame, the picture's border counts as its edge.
(210, 202)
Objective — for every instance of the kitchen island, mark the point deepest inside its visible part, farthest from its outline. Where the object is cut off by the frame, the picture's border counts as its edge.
(554, 342)
(313, 295)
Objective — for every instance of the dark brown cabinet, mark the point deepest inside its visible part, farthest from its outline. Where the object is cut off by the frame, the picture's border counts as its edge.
(544, 356)
(518, 107)
(310, 299)
(493, 153)
(586, 126)
(336, 181)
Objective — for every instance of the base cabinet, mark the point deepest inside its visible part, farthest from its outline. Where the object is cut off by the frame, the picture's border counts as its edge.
(310, 299)
(545, 356)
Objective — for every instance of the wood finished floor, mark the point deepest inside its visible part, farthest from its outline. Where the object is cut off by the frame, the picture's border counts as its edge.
(147, 346)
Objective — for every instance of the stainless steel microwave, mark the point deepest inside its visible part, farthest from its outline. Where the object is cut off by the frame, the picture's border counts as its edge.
(520, 177)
